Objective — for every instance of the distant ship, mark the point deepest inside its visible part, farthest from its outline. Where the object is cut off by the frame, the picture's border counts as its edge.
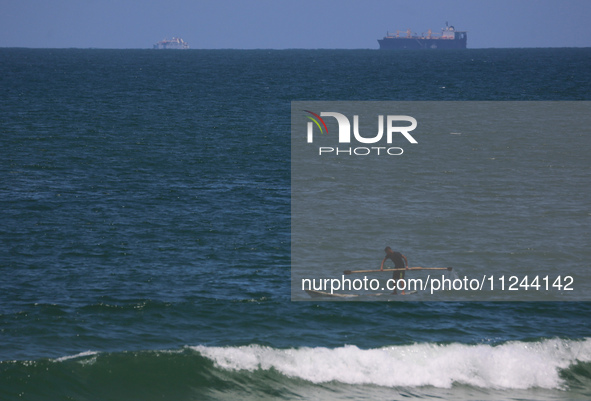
(174, 43)
(449, 38)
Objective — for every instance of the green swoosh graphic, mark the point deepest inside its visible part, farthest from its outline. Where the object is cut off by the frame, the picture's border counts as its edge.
(317, 123)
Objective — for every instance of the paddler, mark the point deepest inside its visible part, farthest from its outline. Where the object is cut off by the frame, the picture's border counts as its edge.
(400, 262)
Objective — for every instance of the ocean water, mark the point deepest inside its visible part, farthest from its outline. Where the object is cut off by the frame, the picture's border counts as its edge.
(145, 231)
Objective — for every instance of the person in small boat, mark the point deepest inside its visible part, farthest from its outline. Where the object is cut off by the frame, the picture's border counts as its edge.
(400, 262)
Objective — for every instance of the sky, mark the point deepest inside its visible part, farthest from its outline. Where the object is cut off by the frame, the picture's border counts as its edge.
(283, 24)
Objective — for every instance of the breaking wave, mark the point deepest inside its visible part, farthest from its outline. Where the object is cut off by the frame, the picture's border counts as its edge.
(512, 365)
(545, 369)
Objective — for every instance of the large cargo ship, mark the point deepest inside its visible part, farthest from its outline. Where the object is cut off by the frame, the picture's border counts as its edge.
(174, 43)
(449, 38)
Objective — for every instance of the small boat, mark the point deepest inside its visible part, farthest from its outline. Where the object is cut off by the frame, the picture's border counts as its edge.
(322, 294)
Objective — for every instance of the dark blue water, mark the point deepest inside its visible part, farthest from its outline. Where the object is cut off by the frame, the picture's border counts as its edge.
(145, 234)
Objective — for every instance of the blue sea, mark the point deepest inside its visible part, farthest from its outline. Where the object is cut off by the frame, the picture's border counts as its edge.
(145, 230)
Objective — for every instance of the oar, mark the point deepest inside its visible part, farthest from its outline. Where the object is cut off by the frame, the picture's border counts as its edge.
(395, 270)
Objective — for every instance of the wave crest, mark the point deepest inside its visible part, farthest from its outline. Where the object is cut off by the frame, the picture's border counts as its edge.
(512, 365)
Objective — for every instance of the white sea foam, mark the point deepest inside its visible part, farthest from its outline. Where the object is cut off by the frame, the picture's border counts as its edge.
(79, 355)
(512, 365)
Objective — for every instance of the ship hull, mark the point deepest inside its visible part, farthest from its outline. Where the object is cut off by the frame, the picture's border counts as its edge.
(419, 43)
